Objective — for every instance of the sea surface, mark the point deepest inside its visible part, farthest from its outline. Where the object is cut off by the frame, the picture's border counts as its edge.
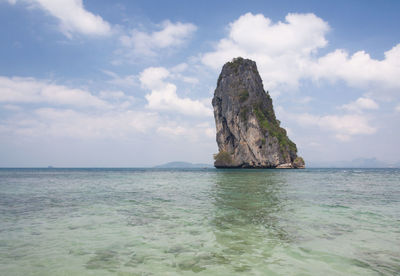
(199, 222)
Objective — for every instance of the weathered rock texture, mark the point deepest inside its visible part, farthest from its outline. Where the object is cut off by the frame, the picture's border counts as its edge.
(248, 133)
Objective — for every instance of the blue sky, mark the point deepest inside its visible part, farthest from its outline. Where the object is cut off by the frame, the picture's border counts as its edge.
(129, 83)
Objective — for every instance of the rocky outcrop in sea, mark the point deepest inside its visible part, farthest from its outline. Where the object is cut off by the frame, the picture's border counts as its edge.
(248, 133)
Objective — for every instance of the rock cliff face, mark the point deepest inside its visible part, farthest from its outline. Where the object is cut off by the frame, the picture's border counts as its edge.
(248, 133)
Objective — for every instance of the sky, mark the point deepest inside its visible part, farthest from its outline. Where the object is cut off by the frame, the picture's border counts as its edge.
(95, 83)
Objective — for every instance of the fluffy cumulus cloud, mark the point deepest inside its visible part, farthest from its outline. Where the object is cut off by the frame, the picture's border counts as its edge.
(170, 35)
(287, 52)
(163, 96)
(361, 104)
(282, 50)
(359, 69)
(73, 17)
(30, 90)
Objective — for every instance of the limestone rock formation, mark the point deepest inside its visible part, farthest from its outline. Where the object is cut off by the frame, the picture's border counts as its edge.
(248, 133)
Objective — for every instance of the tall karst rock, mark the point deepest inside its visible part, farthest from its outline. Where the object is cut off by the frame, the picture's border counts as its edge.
(248, 133)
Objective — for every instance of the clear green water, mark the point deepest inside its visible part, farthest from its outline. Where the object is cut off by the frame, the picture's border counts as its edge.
(199, 222)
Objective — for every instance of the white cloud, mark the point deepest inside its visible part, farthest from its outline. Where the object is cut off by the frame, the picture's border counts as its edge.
(125, 81)
(170, 35)
(305, 100)
(398, 108)
(313, 144)
(179, 68)
(361, 104)
(153, 77)
(177, 73)
(67, 112)
(30, 90)
(116, 124)
(190, 80)
(107, 124)
(12, 107)
(172, 131)
(118, 99)
(110, 94)
(359, 70)
(344, 126)
(193, 132)
(163, 94)
(73, 17)
(80, 125)
(281, 50)
(286, 53)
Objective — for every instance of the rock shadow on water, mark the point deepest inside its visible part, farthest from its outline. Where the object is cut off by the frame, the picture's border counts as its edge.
(249, 211)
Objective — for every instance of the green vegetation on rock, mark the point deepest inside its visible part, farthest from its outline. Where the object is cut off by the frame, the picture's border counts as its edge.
(298, 162)
(243, 95)
(243, 113)
(223, 158)
(235, 63)
(268, 123)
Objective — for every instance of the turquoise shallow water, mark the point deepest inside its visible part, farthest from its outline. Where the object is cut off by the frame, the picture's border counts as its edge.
(199, 222)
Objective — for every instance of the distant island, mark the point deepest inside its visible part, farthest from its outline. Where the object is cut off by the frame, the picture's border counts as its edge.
(355, 163)
(182, 165)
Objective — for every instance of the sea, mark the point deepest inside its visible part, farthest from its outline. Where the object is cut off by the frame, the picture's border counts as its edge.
(199, 222)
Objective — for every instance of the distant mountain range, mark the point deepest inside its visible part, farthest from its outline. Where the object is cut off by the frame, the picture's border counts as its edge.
(183, 165)
(355, 163)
